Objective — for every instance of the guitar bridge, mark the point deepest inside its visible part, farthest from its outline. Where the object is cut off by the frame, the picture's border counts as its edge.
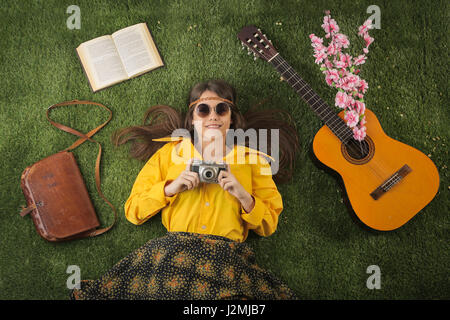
(390, 182)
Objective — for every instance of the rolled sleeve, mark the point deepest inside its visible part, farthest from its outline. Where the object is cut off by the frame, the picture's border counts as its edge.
(255, 216)
(147, 196)
(263, 218)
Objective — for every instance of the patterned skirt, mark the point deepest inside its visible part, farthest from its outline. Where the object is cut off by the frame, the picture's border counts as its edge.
(186, 266)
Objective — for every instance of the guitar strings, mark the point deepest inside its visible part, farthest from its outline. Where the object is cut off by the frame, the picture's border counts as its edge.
(315, 98)
(391, 182)
(352, 143)
(357, 146)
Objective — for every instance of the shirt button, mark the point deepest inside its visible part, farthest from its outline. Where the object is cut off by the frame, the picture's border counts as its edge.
(203, 227)
(207, 204)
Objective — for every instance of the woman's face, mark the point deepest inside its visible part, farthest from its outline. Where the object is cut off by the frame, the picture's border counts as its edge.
(213, 124)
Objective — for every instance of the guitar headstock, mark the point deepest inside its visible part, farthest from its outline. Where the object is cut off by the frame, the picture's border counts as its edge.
(256, 42)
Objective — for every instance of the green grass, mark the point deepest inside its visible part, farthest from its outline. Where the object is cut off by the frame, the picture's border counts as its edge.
(319, 249)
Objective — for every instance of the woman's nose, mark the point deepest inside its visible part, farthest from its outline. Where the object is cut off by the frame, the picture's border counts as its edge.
(213, 115)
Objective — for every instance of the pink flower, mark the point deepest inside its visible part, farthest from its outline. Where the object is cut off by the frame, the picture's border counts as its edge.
(326, 24)
(341, 99)
(341, 40)
(354, 80)
(328, 64)
(329, 25)
(350, 102)
(359, 133)
(359, 60)
(360, 107)
(340, 72)
(349, 82)
(320, 48)
(315, 40)
(332, 50)
(319, 57)
(347, 59)
(362, 30)
(363, 86)
(333, 26)
(352, 118)
(368, 39)
(334, 73)
(331, 76)
(339, 64)
(365, 27)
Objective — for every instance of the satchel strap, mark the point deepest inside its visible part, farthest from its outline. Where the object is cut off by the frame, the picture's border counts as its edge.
(83, 138)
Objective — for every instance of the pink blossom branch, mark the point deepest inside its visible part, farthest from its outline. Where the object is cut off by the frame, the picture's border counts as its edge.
(340, 72)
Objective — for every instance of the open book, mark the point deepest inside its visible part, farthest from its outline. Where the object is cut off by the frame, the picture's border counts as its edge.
(125, 54)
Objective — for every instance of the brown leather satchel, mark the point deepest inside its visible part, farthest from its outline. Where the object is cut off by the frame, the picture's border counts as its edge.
(56, 194)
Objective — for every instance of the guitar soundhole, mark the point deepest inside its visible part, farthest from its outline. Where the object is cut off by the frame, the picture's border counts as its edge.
(358, 152)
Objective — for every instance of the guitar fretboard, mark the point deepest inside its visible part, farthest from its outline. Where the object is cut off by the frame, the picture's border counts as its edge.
(304, 90)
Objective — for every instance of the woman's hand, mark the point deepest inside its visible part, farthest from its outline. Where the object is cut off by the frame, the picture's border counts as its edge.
(228, 182)
(187, 180)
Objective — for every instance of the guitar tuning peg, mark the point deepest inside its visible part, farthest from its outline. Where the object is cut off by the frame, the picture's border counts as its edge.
(249, 52)
(255, 57)
(243, 47)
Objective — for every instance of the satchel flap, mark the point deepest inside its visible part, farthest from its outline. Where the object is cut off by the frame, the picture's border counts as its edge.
(63, 207)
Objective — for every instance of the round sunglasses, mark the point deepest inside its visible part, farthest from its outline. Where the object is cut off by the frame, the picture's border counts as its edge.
(203, 110)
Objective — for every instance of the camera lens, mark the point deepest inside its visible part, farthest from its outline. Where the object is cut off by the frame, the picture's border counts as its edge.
(208, 174)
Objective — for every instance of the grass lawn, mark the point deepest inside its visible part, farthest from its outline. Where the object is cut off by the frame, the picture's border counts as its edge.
(319, 249)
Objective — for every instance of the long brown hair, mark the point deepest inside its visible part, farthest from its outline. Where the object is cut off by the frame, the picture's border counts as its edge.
(161, 120)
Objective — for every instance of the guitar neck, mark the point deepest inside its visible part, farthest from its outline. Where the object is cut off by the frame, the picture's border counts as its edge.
(320, 108)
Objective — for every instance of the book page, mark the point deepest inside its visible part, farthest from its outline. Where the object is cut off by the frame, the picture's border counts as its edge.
(136, 50)
(102, 61)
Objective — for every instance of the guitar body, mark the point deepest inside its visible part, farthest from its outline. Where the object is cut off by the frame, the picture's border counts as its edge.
(404, 199)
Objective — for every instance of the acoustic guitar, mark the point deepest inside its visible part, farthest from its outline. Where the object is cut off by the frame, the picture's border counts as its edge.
(387, 182)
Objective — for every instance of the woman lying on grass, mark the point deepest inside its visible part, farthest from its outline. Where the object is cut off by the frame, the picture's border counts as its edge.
(203, 255)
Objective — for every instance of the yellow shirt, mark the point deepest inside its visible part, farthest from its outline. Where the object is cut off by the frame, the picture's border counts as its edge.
(206, 209)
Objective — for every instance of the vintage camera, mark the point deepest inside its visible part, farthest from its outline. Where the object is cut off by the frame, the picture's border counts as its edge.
(208, 171)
